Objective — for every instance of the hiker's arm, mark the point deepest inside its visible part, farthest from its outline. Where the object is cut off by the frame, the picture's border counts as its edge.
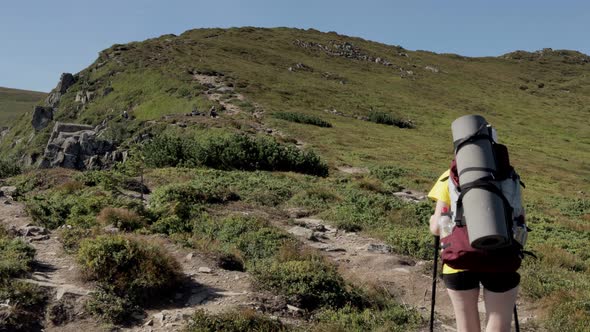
(434, 218)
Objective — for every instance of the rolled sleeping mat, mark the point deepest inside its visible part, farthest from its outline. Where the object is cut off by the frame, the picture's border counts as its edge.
(483, 210)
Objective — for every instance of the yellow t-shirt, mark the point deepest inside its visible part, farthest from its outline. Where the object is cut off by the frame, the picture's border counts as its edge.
(440, 192)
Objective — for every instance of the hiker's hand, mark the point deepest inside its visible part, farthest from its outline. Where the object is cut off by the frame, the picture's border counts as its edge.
(434, 218)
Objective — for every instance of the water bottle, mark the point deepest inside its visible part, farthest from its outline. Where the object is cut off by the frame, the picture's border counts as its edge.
(445, 224)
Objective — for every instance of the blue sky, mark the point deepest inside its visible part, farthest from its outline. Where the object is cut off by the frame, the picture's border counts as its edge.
(41, 39)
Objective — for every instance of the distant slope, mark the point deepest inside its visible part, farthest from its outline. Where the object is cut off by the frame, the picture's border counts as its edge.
(539, 101)
(14, 102)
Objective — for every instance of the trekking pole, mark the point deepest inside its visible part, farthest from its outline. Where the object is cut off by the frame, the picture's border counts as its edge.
(434, 271)
(516, 319)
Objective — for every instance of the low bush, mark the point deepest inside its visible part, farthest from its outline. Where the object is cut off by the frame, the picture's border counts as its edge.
(133, 268)
(26, 308)
(109, 307)
(15, 257)
(568, 311)
(388, 119)
(393, 317)
(121, 218)
(233, 321)
(302, 118)
(25, 301)
(193, 193)
(8, 168)
(253, 238)
(58, 207)
(411, 241)
(233, 152)
(316, 199)
(308, 280)
(71, 237)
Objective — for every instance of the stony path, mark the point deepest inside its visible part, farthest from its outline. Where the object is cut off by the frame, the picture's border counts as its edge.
(369, 261)
(206, 286)
(52, 268)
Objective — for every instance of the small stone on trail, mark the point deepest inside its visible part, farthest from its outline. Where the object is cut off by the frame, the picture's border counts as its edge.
(189, 256)
(294, 309)
(203, 269)
(379, 248)
(331, 249)
(302, 232)
(149, 323)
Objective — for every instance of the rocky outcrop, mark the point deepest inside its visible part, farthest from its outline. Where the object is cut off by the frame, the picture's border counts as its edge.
(345, 50)
(41, 117)
(77, 146)
(65, 82)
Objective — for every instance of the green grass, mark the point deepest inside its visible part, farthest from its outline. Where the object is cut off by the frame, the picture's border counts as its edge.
(153, 79)
(15, 102)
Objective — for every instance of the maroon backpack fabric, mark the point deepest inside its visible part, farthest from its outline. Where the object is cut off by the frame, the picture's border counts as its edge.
(459, 254)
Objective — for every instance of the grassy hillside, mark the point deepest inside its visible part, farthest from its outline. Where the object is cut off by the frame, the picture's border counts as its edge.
(538, 101)
(15, 102)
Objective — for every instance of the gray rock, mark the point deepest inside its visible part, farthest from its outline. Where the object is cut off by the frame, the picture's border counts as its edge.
(65, 82)
(379, 248)
(203, 269)
(297, 212)
(41, 117)
(7, 191)
(32, 231)
(225, 89)
(303, 232)
(198, 298)
(77, 146)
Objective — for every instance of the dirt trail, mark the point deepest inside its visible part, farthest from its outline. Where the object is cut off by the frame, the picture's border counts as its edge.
(52, 268)
(369, 261)
(205, 287)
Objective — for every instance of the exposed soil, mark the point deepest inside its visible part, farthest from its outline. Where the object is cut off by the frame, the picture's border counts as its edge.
(206, 286)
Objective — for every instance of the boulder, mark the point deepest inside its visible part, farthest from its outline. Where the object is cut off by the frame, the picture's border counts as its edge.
(77, 146)
(41, 117)
(65, 82)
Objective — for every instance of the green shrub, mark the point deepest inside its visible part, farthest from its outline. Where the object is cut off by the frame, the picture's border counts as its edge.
(568, 311)
(233, 152)
(254, 238)
(388, 119)
(71, 237)
(172, 224)
(15, 258)
(302, 118)
(317, 199)
(132, 267)
(393, 317)
(27, 306)
(413, 241)
(58, 207)
(359, 209)
(193, 193)
(233, 321)
(308, 281)
(123, 219)
(110, 307)
(8, 168)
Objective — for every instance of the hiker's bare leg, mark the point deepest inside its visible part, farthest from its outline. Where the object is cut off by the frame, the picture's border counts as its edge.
(499, 308)
(465, 307)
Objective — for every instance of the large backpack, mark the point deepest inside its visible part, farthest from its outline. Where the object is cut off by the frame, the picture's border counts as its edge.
(457, 251)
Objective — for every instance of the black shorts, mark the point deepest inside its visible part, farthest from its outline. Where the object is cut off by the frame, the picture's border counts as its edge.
(498, 282)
